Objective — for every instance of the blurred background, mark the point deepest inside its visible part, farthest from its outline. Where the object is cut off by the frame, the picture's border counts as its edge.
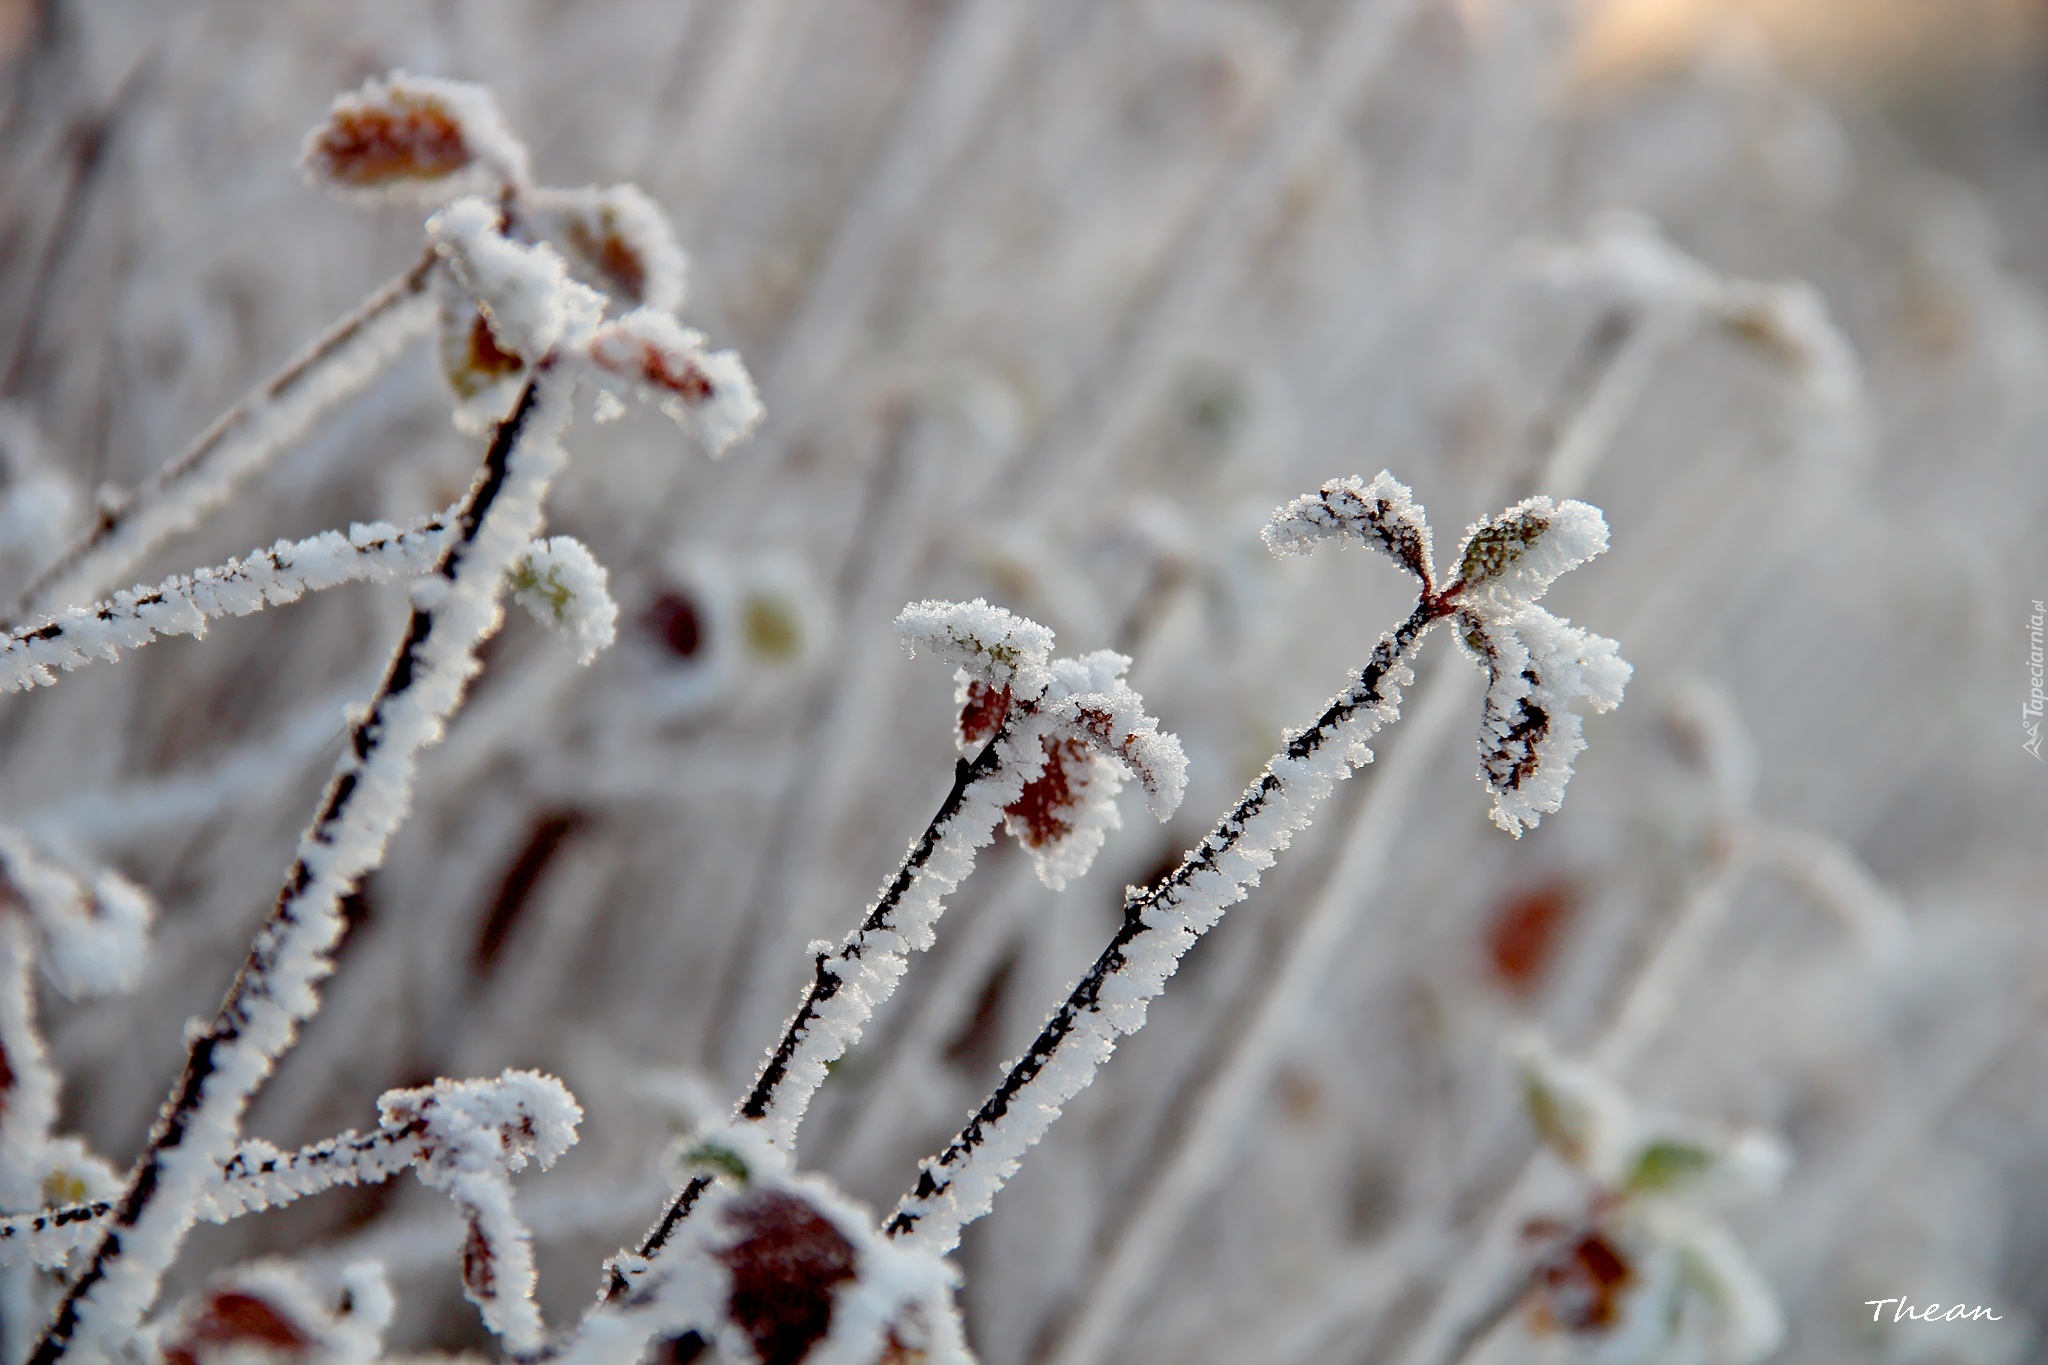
(1053, 303)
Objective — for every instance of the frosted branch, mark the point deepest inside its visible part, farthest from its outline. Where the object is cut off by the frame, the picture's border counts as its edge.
(1160, 925)
(244, 439)
(276, 989)
(375, 552)
(1053, 739)
(517, 1116)
(1505, 563)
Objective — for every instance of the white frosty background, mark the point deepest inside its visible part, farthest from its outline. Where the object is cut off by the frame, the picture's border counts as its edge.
(1053, 303)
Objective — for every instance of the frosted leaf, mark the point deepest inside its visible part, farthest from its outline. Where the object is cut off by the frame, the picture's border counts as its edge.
(982, 710)
(1094, 733)
(1626, 257)
(1109, 715)
(415, 138)
(504, 1122)
(69, 1172)
(273, 1311)
(1512, 559)
(616, 238)
(708, 393)
(777, 1266)
(484, 377)
(1382, 514)
(1579, 1114)
(1631, 1153)
(565, 588)
(523, 291)
(1636, 1271)
(473, 1134)
(1065, 813)
(988, 644)
(1790, 323)
(1529, 735)
(94, 930)
(1748, 1323)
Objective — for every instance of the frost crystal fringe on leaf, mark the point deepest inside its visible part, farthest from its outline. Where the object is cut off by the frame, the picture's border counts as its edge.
(618, 238)
(708, 393)
(1096, 730)
(271, 1311)
(1382, 514)
(472, 1136)
(565, 588)
(779, 1267)
(415, 139)
(524, 292)
(994, 648)
(1537, 664)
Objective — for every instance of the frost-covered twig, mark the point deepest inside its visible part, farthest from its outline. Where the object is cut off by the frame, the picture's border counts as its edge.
(473, 1135)
(376, 552)
(412, 137)
(1504, 565)
(537, 1119)
(245, 438)
(276, 989)
(556, 579)
(1048, 738)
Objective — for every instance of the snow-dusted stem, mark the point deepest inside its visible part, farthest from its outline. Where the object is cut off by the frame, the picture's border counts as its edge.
(182, 605)
(849, 984)
(275, 991)
(257, 1177)
(1160, 924)
(244, 438)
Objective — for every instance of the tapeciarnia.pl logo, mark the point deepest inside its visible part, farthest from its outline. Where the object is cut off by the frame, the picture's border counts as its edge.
(2030, 714)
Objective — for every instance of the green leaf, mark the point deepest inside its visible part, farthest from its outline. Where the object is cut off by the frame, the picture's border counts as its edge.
(1664, 1163)
(720, 1158)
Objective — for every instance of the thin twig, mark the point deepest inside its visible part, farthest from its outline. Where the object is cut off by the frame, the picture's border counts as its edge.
(238, 443)
(778, 1100)
(275, 991)
(1160, 925)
